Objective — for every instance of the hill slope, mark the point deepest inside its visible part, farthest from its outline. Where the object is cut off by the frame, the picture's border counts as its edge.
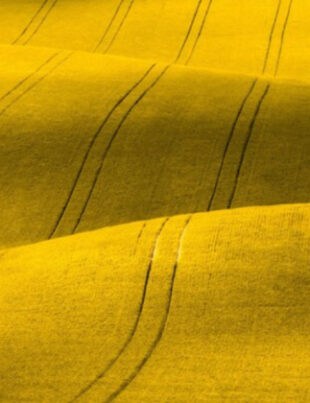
(208, 307)
(89, 141)
(151, 123)
(269, 36)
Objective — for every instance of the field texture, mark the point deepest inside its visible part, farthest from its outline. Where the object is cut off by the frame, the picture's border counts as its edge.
(154, 190)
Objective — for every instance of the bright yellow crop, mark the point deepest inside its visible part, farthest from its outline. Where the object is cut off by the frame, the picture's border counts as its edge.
(206, 307)
(139, 119)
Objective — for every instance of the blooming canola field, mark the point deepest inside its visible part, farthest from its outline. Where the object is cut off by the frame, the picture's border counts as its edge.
(154, 194)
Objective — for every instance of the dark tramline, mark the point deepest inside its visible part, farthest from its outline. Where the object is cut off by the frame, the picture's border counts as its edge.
(226, 148)
(120, 26)
(139, 236)
(283, 37)
(139, 99)
(137, 321)
(30, 22)
(162, 327)
(109, 25)
(247, 96)
(41, 22)
(202, 26)
(34, 85)
(246, 143)
(28, 77)
(90, 146)
(271, 36)
(189, 30)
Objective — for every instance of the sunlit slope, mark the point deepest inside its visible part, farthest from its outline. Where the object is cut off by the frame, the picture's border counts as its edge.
(91, 140)
(259, 37)
(206, 307)
(131, 133)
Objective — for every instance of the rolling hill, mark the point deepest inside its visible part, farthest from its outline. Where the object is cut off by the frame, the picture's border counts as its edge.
(154, 194)
(203, 307)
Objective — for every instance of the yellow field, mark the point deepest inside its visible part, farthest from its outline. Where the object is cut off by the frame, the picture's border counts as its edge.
(154, 190)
